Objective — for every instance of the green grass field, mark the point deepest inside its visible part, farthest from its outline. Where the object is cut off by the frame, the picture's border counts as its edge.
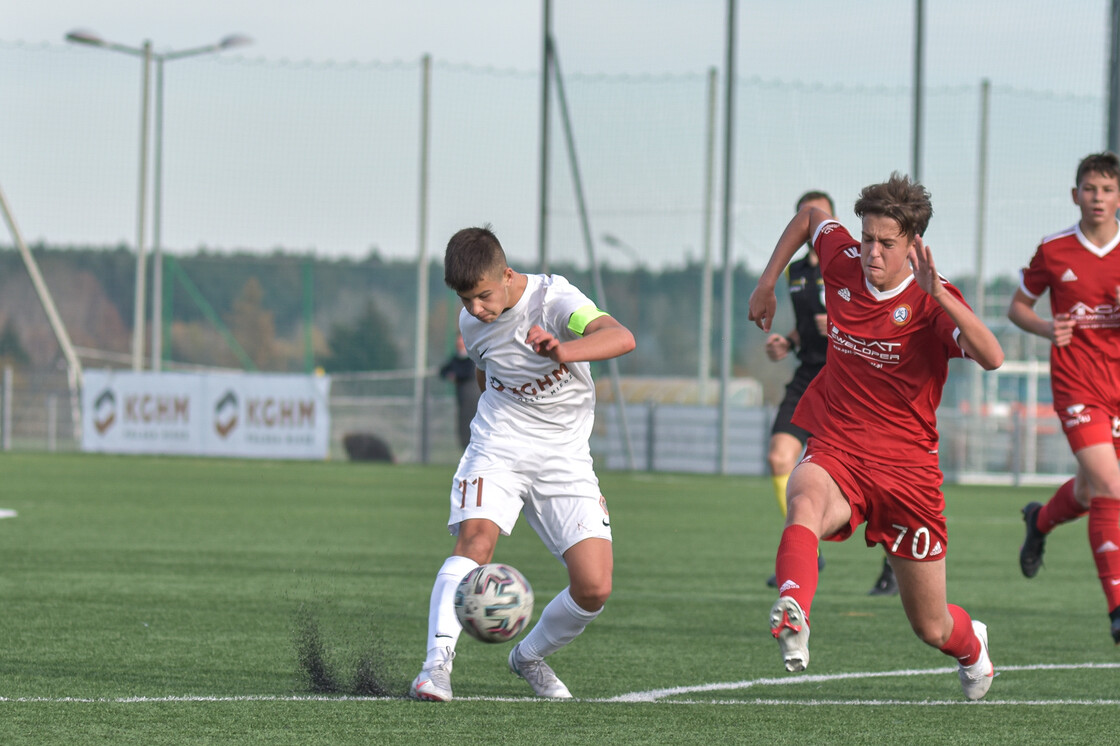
(164, 600)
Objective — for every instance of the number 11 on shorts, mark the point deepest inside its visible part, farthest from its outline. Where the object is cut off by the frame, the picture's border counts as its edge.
(477, 494)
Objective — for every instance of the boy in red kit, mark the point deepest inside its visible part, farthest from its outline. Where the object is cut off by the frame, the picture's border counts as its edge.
(893, 325)
(1081, 268)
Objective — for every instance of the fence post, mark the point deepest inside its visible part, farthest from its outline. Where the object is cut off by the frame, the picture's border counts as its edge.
(6, 425)
(424, 436)
(1016, 447)
(52, 423)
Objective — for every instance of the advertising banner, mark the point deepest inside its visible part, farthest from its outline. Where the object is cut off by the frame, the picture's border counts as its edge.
(206, 414)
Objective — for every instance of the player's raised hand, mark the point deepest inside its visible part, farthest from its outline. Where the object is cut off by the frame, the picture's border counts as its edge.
(777, 347)
(925, 273)
(543, 343)
(762, 305)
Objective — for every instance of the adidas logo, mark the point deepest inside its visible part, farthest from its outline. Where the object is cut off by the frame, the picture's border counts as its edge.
(1108, 546)
(1069, 276)
(845, 294)
(937, 549)
(788, 585)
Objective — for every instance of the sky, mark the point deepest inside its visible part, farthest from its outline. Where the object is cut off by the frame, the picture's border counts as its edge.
(778, 39)
(1057, 51)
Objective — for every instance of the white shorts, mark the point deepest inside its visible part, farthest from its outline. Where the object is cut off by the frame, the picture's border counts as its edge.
(557, 492)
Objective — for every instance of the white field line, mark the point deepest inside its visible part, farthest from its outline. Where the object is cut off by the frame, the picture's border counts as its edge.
(655, 695)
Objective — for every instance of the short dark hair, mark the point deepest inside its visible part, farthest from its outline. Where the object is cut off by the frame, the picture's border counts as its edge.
(1105, 164)
(472, 255)
(815, 194)
(900, 198)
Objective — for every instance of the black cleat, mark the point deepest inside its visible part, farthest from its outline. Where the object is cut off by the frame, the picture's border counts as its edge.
(1030, 553)
(1116, 631)
(886, 585)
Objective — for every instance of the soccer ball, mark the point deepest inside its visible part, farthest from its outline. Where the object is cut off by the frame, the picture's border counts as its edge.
(494, 602)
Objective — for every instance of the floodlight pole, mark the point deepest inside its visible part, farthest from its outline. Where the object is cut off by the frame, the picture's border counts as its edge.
(1112, 135)
(726, 233)
(145, 52)
(919, 91)
(139, 312)
(546, 76)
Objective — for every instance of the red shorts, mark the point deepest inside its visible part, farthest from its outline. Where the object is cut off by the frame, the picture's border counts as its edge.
(1090, 423)
(902, 505)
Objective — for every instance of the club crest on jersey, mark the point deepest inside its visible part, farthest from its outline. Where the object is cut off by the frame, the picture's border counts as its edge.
(844, 293)
(901, 315)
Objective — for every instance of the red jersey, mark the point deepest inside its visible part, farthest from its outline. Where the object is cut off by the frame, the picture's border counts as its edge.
(888, 359)
(1083, 281)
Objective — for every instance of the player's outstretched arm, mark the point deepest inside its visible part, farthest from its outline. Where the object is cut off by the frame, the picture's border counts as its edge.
(1022, 314)
(975, 338)
(603, 339)
(763, 302)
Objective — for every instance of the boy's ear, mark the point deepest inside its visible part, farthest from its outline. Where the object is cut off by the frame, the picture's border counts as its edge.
(1073, 195)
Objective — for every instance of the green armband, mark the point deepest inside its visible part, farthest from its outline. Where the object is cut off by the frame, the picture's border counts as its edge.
(579, 320)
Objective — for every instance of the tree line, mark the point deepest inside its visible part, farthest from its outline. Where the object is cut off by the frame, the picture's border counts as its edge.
(291, 312)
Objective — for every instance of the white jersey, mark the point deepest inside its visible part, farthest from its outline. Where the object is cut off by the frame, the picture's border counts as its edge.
(529, 397)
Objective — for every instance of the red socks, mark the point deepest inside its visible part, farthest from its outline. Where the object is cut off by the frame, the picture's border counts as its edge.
(1061, 508)
(796, 566)
(1104, 540)
(963, 644)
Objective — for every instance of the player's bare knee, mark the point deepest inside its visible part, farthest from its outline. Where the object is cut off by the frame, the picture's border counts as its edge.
(476, 547)
(591, 596)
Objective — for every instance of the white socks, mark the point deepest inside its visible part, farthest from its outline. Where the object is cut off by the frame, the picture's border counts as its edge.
(443, 625)
(560, 623)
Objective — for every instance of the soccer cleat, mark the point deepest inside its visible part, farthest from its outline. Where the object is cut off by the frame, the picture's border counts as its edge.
(434, 684)
(1030, 553)
(1116, 631)
(539, 675)
(887, 584)
(789, 625)
(977, 678)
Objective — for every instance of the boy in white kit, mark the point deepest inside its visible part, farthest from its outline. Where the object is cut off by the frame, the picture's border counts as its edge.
(532, 338)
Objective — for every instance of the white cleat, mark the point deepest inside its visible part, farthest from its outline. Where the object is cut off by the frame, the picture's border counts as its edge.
(434, 684)
(789, 625)
(539, 675)
(977, 678)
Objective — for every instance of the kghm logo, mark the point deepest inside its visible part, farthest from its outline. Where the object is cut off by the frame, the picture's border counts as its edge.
(225, 414)
(104, 411)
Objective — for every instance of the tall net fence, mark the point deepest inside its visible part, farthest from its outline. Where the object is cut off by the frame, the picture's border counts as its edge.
(274, 158)
(263, 156)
